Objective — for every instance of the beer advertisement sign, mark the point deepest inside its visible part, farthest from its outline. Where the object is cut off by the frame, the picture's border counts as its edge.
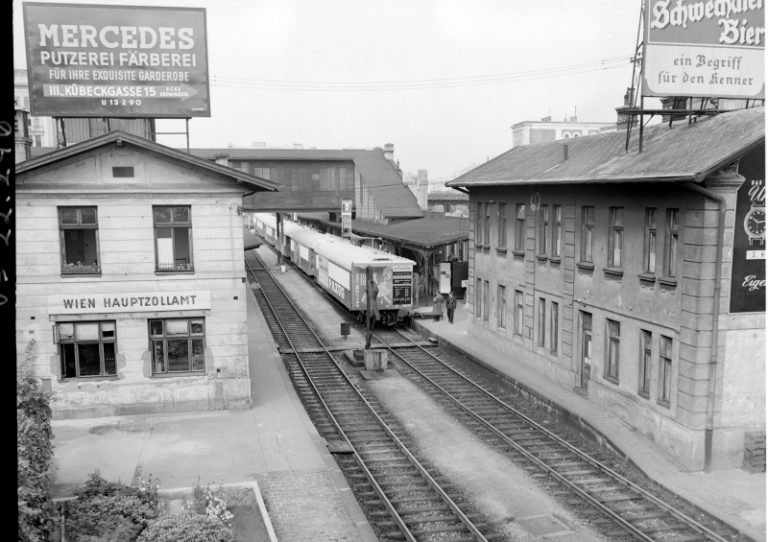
(704, 48)
(116, 61)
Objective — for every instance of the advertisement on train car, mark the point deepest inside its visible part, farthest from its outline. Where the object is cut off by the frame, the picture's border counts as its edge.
(116, 61)
(334, 280)
(704, 48)
(394, 283)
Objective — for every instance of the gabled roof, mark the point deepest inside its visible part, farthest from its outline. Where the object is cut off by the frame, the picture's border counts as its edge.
(379, 174)
(120, 138)
(686, 152)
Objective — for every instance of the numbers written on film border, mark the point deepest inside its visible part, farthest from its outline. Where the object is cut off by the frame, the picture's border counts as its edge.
(121, 102)
(6, 157)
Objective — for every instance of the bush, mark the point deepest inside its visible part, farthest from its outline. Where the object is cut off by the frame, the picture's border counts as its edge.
(110, 511)
(186, 527)
(34, 452)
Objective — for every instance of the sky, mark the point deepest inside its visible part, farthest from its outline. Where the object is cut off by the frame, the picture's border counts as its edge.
(441, 80)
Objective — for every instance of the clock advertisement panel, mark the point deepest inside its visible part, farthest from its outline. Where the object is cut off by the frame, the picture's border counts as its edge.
(748, 273)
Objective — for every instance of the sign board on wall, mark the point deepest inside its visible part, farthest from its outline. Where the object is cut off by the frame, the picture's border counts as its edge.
(748, 273)
(129, 302)
(116, 61)
(346, 218)
(704, 48)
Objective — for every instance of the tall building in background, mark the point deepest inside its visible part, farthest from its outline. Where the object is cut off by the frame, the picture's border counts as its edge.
(41, 131)
(419, 185)
(536, 131)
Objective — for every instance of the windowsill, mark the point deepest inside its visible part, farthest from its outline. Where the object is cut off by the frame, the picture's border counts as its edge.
(586, 266)
(613, 271)
(646, 277)
(171, 271)
(667, 281)
(541, 257)
(178, 373)
(501, 251)
(554, 260)
(612, 379)
(665, 404)
(95, 378)
(644, 394)
(518, 253)
(80, 270)
(82, 274)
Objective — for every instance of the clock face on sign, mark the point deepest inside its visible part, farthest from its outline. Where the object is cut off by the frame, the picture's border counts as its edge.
(754, 222)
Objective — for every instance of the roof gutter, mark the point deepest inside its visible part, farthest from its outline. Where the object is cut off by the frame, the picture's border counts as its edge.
(712, 367)
(460, 189)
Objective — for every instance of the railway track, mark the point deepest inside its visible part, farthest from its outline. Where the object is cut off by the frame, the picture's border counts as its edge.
(402, 496)
(619, 508)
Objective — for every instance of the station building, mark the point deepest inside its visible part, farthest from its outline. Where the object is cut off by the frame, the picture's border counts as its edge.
(634, 278)
(131, 287)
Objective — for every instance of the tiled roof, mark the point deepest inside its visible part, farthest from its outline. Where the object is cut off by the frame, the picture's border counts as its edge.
(379, 174)
(685, 152)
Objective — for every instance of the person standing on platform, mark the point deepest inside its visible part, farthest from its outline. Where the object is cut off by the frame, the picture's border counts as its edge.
(450, 306)
(437, 305)
(372, 314)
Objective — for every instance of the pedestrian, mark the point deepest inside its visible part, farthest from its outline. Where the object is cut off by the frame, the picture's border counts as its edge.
(372, 314)
(450, 305)
(437, 305)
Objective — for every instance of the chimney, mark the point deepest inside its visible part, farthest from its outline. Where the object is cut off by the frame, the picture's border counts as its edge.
(623, 119)
(298, 146)
(258, 144)
(389, 152)
(565, 152)
(222, 159)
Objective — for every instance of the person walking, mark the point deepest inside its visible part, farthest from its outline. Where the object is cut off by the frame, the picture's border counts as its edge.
(450, 305)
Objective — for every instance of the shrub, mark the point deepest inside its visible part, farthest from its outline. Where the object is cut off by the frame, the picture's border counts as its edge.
(110, 511)
(209, 500)
(34, 452)
(186, 527)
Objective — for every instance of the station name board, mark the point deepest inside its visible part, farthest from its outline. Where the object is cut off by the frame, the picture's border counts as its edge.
(129, 302)
(116, 61)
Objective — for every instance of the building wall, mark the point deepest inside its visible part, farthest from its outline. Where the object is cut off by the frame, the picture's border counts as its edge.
(679, 308)
(126, 248)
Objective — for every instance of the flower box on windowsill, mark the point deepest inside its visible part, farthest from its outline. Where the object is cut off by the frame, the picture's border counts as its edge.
(80, 269)
(175, 268)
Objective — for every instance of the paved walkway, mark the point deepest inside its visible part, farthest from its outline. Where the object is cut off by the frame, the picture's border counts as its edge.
(734, 495)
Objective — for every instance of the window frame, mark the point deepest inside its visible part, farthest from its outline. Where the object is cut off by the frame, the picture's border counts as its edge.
(487, 225)
(554, 327)
(645, 365)
(173, 226)
(479, 225)
(478, 297)
(70, 268)
(615, 237)
(612, 350)
(671, 243)
(501, 226)
(100, 340)
(650, 242)
(587, 237)
(486, 301)
(520, 228)
(519, 313)
(501, 306)
(557, 232)
(544, 231)
(541, 338)
(665, 370)
(165, 337)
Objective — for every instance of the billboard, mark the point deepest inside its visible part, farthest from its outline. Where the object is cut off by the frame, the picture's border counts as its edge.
(704, 48)
(748, 268)
(116, 61)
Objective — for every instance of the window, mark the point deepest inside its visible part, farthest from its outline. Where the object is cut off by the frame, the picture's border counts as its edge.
(612, 361)
(587, 233)
(177, 345)
(542, 320)
(644, 387)
(615, 237)
(487, 225)
(520, 227)
(87, 349)
(502, 226)
(518, 313)
(665, 370)
(478, 293)
(79, 234)
(557, 230)
(501, 306)
(173, 238)
(649, 245)
(670, 260)
(544, 231)
(479, 224)
(486, 304)
(554, 328)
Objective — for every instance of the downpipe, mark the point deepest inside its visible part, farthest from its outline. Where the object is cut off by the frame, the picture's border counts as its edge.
(712, 367)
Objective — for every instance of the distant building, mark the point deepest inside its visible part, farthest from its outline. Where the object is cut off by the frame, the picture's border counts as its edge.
(532, 131)
(449, 203)
(419, 185)
(40, 130)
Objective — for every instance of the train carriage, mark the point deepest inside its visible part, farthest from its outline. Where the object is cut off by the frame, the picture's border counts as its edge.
(303, 244)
